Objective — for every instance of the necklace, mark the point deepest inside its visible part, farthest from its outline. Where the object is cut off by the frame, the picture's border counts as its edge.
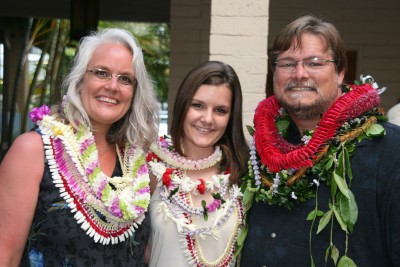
(175, 190)
(108, 208)
(164, 150)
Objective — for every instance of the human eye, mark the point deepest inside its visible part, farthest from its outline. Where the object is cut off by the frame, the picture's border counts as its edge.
(102, 74)
(196, 105)
(125, 79)
(221, 111)
(314, 62)
(286, 64)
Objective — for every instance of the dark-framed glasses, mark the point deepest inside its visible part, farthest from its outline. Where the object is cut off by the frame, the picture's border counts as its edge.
(123, 79)
(309, 64)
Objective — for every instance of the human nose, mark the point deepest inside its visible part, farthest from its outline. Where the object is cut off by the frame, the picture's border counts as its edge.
(207, 116)
(112, 82)
(300, 71)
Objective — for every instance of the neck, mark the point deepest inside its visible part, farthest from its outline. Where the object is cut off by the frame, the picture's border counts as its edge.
(309, 124)
(198, 152)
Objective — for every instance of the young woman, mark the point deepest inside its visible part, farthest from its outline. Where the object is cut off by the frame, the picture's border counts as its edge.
(75, 191)
(196, 210)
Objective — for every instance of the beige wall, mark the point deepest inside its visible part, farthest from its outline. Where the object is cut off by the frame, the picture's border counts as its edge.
(370, 27)
(239, 36)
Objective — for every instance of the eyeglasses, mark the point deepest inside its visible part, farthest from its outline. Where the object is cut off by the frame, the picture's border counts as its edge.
(309, 64)
(106, 75)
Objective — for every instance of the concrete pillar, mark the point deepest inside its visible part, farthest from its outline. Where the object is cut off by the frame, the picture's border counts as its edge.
(239, 37)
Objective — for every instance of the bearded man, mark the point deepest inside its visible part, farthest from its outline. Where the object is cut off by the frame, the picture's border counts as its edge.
(324, 180)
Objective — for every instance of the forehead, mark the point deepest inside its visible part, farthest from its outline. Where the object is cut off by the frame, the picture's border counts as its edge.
(111, 50)
(215, 94)
(307, 45)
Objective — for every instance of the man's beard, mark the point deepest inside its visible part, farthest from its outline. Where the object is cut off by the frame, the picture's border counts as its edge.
(303, 111)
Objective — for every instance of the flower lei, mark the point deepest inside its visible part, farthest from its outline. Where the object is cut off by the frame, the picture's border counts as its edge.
(108, 208)
(176, 204)
(164, 150)
(279, 171)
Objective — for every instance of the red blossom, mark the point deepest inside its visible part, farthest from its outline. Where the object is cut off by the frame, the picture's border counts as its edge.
(201, 187)
(227, 171)
(166, 178)
(151, 156)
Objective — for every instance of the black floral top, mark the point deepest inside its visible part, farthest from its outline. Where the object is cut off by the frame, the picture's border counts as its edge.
(57, 240)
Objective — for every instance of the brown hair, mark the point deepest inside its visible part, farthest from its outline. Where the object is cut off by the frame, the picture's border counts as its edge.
(233, 144)
(291, 34)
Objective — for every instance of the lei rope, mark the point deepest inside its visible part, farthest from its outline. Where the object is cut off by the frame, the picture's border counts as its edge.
(108, 208)
(280, 172)
(266, 136)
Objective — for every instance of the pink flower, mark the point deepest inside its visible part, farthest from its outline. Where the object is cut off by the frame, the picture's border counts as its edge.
(37, 113)
(214, 205)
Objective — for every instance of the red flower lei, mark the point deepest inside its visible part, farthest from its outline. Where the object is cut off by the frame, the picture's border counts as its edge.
(271, 146)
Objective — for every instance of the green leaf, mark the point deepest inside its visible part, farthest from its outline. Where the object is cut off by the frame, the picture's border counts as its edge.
(375, 130)
(250, 129)
(314, 214)
(340, 167)
(348, 165)
(349, 210)
(328, 165)
(333, 187)
(339, 218)
(242, 236)
(346, 262)
(282, 125)
(324, 221)
(341, 184)
(248, 198)
(335, 254)
(327, 253)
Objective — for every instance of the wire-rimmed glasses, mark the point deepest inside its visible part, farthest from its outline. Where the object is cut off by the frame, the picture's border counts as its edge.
(310, 64)
(123, 79)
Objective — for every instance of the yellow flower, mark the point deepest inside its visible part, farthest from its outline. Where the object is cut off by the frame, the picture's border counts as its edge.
(57, 131)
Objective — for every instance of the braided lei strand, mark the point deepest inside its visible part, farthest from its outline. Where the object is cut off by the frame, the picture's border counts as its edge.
(108, 208)
(175, 190)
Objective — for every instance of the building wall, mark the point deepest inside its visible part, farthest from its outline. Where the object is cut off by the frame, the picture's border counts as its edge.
(372, 28)
(190, 37)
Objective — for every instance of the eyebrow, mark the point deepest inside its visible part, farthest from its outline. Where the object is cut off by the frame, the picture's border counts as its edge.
(108, 69)
(202, 102)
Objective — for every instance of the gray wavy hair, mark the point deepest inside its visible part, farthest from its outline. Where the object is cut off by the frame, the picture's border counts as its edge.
(140, 125)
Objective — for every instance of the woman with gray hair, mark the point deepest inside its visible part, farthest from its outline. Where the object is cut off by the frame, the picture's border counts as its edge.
(75, 191)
